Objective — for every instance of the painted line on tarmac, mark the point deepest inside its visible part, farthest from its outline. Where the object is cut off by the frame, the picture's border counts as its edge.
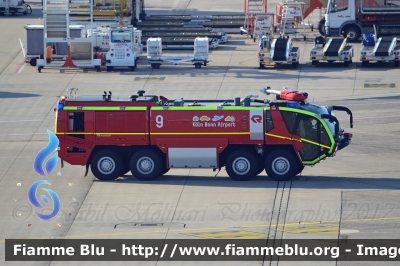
(15, 121)
(27, 134)
(376, 117)
(218, 228)
(20, 68)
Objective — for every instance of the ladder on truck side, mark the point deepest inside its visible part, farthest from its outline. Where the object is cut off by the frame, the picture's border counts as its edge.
(290, 18)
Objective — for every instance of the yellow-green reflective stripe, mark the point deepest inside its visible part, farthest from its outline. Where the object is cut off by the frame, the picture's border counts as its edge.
(315, 161)
(277, 136)
(315, 143)
(105, 108)
(205, 108)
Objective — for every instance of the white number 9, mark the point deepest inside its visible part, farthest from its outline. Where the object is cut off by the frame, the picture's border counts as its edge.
(159, 121)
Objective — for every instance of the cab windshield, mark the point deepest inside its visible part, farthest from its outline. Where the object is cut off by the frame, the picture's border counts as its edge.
(320, 110)
(337, 5)
(120, 36)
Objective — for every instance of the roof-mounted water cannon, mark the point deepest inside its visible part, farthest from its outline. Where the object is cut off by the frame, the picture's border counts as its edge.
(286, 94)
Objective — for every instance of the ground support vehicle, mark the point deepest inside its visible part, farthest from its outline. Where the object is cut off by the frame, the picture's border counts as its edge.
(351, 18)
(277, 51)
(259, 24)
(290, 19)
(149, 134)
(124, 44)
(384, 49)
(156, 58)
(13, 7)
(331, 51)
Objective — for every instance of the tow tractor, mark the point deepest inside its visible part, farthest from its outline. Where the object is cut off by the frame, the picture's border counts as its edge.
(156, 59)
(331, 51)
(277, 51)
(148, 134)
(384, 49)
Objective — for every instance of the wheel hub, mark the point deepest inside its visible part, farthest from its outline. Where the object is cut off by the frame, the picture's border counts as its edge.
(280, 166)
(145, 165)
(106, 165)
(241, 166)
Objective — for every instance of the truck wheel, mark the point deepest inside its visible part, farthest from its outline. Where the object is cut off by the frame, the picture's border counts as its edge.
(301, 168)
(106, 165)
(262, 66)
(346, 63)
(353, 33)
(109, 68)
(321, 26)
(146, 165)
(295, 64)
(132, 68)
(396, 63)
(126, 169)
(281, 165)
(315, 63)
(241, 165)
(260, 166)
(364, 63)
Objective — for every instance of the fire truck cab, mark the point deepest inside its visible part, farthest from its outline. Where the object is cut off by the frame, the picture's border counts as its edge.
(149, 135)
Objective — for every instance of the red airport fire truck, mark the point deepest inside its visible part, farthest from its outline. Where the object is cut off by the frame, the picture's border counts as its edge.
(149, 135)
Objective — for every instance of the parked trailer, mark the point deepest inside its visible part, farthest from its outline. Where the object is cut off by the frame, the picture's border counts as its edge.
(156, 59)
(331, 51)
(384, 49)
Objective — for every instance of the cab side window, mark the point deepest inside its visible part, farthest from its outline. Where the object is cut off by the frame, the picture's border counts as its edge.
(290, 120)
(269, 123)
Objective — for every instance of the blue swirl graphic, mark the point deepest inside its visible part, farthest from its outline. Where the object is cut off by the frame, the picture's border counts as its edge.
(35, 202)
(41, 156)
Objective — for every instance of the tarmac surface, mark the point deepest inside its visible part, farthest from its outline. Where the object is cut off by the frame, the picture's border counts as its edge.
(353, 195)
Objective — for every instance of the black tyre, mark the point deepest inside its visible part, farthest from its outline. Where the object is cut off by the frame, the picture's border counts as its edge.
(241, 165)
(315, 63)
(107, 165)
(132, 68)
(353, 34)
(109, 68)
(146, 165)
(260, 166)
(281, 165)
(364, 63)
(346, 63)
(295, 64)
(262, 66)
(321, 27)
(396, 63)
(166, 171)
(301, 168)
